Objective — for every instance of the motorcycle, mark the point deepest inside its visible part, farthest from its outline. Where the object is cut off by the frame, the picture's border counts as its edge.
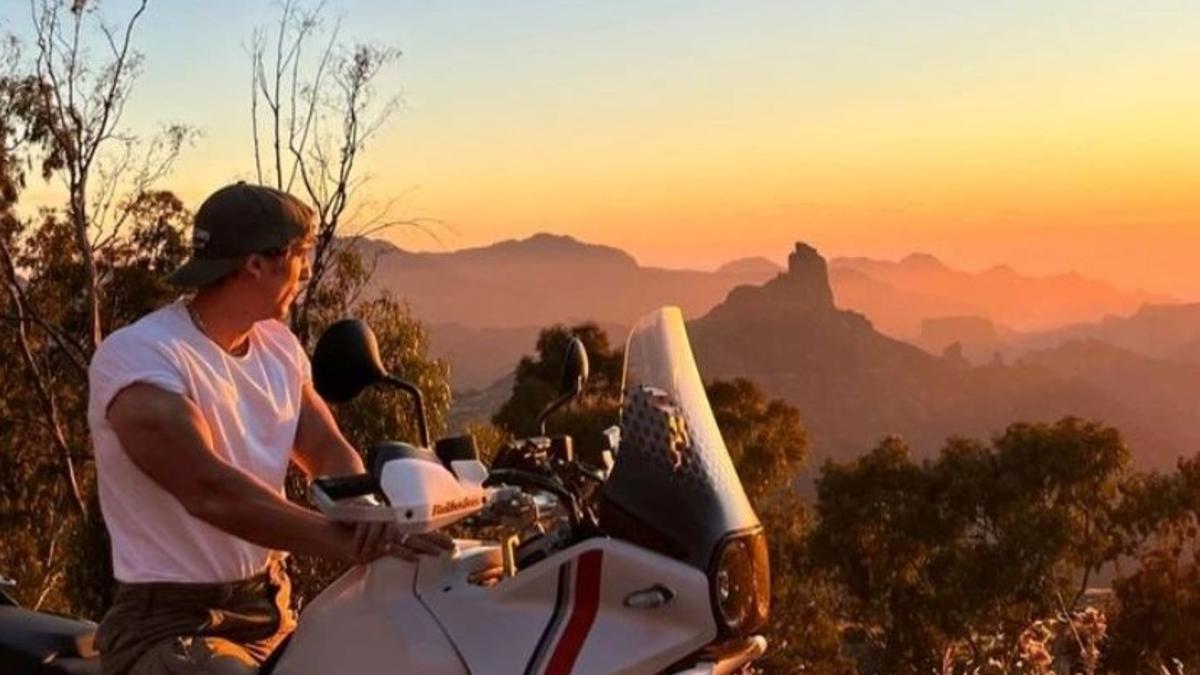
(653, 562)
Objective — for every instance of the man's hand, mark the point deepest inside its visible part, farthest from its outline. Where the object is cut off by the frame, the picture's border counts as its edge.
(373, 540)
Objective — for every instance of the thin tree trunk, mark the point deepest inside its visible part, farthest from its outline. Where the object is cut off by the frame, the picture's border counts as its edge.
(79, 222)
(45, 396)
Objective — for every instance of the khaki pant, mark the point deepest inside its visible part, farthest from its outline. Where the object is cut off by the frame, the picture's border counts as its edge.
(185, 629)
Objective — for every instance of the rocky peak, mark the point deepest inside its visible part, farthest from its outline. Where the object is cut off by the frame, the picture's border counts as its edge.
(807, 279)
(803, 288)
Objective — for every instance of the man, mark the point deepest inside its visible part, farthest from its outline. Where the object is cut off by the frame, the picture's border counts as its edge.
(195, 411)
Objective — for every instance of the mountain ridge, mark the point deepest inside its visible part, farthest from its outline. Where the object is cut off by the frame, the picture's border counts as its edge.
(854, 385)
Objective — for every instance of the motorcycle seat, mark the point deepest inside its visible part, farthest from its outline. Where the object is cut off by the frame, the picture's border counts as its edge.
(45, 637)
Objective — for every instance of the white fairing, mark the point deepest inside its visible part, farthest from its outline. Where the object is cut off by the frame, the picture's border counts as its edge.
(568, 614)
(565, 614)
(369, 622)
(425, 492)
(423, 495)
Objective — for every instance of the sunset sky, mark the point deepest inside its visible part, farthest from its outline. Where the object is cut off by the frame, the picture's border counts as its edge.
(1051, 136)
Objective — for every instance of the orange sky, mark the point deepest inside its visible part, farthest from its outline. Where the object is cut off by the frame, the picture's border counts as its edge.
(1049, 137)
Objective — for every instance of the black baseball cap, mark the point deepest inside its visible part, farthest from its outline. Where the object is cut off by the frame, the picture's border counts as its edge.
(234, 222)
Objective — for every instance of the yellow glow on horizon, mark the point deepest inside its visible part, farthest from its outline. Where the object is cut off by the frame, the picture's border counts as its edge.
(1049, 169)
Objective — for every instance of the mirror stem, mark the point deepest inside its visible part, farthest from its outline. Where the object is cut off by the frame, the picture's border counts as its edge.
(418, 405)
(558, 403)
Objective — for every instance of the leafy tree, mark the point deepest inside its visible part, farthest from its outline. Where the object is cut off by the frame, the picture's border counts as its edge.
(1157, 625)
(1157, 629)
(72, 274)
(537, 384)
(61, 556)
(768, 444)
(953, 558)
(60, 111)
(877, 528)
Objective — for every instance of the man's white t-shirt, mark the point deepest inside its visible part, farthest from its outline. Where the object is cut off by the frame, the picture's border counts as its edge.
(252, 406)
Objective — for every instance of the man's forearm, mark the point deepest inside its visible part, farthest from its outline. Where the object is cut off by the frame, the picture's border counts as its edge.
(238, 504)
(148, 419)
(338, 459)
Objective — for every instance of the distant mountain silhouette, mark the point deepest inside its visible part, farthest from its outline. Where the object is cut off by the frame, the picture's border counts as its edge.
(477, 405)
(749, 268)
(978, 339)
(854, 385)
(480, 356)
(898, 296)
(1164, 395)
(1169, 332)
(546, 279)
(485, 306)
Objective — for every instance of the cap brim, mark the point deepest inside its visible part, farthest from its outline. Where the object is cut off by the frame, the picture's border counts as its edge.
(202, 272)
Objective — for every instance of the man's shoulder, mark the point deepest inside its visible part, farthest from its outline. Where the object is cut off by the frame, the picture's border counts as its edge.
(143, 351)
(156, 329)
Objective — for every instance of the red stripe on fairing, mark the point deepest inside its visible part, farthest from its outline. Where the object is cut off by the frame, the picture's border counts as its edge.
(583, 614)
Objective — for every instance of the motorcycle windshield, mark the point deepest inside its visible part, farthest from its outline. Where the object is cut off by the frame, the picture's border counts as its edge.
(673, 487)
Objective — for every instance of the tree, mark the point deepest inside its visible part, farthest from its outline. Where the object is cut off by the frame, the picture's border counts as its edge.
(61, 557)
(1157, 625)
(319, 113)
(81, 106)
(62, 292)
(953, 558)
(1158, 621)
(877, 528)
(537, 384)
(61, 111)
(769, 445)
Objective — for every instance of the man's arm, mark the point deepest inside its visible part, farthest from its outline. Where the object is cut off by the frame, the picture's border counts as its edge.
(166, 437)
(320, 448)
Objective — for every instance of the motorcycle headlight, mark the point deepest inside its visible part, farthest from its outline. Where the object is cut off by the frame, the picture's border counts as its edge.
(741, 584)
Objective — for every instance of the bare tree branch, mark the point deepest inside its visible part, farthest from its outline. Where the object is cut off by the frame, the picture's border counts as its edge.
(81, 128)
(324, 120)
(70, 348)
(45, 396)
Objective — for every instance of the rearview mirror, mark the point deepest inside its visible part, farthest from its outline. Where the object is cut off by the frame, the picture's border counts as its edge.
(575, 368)
(574, 377)
(346, 361)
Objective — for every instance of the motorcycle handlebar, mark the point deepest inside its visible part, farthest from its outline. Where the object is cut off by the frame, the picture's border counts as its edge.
(345, 487)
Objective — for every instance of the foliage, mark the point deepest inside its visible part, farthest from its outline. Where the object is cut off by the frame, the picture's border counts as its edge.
(980, 542)
(1157, 628)
(768, 444)
(314, 112)
(72, 274)
(538, 381)
(68, 569)
(1157, 625)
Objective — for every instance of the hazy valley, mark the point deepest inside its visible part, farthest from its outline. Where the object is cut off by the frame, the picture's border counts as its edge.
(863, 348)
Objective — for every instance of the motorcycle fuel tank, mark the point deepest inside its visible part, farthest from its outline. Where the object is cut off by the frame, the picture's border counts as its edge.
(600, 606)
(369, 622)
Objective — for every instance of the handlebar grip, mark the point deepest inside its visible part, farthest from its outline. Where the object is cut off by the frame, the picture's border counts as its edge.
(345, 487)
